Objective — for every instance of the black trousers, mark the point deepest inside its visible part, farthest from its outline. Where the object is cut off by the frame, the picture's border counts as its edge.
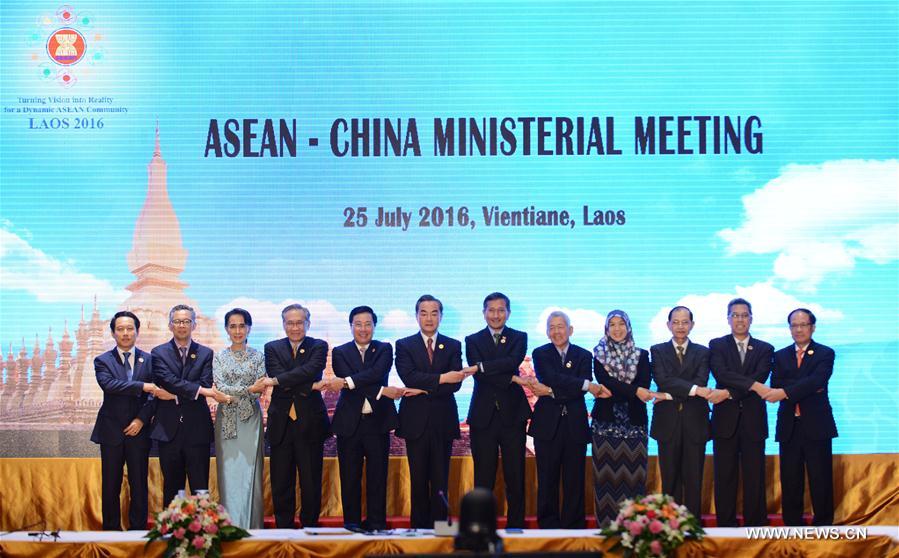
(181, 462)
(134, 452)
(292, 456)
(734, 457)
(486, 444)
(681, 461)
(429, 460)
(799, 455)
(562, 457)
(369, 446)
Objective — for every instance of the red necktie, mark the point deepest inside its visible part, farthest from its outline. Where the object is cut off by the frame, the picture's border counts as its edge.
(800, 353)
(431, 350)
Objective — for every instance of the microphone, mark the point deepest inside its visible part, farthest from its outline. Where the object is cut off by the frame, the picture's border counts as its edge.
(449, 520)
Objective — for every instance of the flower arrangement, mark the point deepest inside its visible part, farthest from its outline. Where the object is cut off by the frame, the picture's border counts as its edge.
(653, 525)
(194, 526)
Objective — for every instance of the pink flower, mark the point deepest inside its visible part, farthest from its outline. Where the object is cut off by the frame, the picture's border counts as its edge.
(199, 542)
(636, 528)
(674, 523)
(655, 526)
(163, 529)
(178, 533)
(195, 526)
(212, 528)
(656, 548)
(650, 514)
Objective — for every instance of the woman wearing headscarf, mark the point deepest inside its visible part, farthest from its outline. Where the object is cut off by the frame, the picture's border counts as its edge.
(619, 422)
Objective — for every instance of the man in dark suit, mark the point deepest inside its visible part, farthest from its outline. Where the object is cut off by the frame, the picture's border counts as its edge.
(363, 419)
(499, 409)
(805, 425)
(297, 419)
(430, 365)
(183, 426)
(125, 376)
(680, 418)
(740, 364)
(559, 425)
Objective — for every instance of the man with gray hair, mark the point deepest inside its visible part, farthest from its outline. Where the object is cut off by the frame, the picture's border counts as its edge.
(297, 419)
(559, 424)
(183, 425)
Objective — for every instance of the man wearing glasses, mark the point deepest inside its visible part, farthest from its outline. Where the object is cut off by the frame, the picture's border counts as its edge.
(183, 426)
(297, 419)
(805, 425)
(741, 364)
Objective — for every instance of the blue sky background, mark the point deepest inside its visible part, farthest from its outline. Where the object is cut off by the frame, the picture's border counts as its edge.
(812, 221)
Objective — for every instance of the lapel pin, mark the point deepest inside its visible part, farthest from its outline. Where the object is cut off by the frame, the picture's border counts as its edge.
(194, 356)
(749, 347)
(140, 359)
(502, 339)
(302, 351)
(810, 352)
(440, 346)
(568, 364)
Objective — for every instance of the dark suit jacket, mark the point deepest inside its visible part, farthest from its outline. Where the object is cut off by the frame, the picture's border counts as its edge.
(689, 413)
(295, 378)
(434, 412)
(807, 386)
(737, 378)
(623, 392)
(493, 388)
(183, 382)
(566, 381)
(123, 400)
(368, 378)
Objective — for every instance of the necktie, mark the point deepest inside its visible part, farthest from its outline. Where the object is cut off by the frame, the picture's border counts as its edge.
(362, 355)
(183, 355)
(800, 353)
(431, 350)
(741, 346)
(294, 351)
(680, 354)
(496, 337)
(563, 357)
(128, 365)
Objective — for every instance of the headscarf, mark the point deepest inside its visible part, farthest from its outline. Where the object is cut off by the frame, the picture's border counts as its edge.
(619, 359)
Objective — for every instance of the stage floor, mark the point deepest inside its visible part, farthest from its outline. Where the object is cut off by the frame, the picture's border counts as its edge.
(849, 542)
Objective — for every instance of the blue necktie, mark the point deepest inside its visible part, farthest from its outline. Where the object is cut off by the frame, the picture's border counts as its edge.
(128, 370)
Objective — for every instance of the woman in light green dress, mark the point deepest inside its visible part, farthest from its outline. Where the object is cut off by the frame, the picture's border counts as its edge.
(238, 423)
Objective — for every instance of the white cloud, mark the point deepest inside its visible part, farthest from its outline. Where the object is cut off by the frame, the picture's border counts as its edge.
(25, 268)
(820, 219)
(770, 307)
(588, 325)
(398, 321)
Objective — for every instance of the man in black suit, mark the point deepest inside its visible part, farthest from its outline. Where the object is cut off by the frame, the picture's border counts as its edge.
(297, 419)
(499, 409)
(805, 425)
(740, 364)
(559, 425)
(430, 365)
(363, 419)
(126, 377)
(183, 426)
(680, 418)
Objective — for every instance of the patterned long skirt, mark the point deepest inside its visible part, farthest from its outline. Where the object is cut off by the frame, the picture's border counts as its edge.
(619, 473)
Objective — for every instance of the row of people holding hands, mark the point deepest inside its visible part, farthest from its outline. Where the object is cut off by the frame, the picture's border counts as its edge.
(161, 396)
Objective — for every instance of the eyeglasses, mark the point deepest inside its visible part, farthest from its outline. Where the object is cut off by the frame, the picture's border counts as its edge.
(736, 316)
(182, 322)
(800, 326)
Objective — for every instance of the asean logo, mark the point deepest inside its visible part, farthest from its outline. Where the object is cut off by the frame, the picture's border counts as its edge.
(66, 46)
(62, 42)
